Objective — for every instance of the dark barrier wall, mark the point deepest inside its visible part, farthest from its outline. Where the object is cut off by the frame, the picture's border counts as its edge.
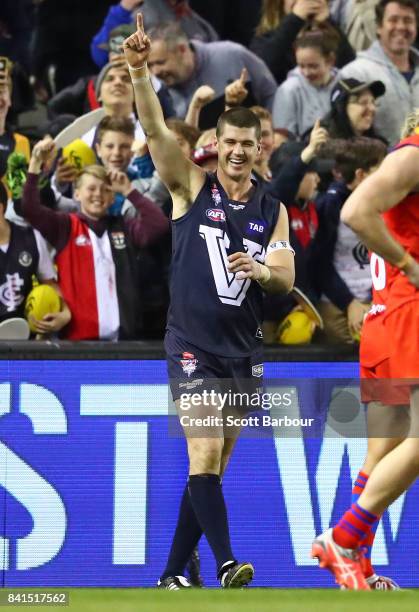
(90, 475)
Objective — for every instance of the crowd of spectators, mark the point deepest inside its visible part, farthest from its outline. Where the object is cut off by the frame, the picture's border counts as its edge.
(331, 83)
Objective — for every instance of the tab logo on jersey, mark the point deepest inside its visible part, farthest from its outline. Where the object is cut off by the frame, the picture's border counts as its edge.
(256, 227)
(216, 214)
(257, 370)
(188, 363)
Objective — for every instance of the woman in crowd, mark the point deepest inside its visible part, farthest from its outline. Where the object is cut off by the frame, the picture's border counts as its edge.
(353, 109)
(305, 96)
(280, 24)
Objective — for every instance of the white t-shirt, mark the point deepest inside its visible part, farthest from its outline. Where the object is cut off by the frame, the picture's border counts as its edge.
(46, 269)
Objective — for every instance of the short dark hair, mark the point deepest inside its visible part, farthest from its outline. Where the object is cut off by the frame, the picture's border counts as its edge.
(381, 7)
(115, 124)
(240, 117)
(359, 152)
(188, 132)
(323, 37)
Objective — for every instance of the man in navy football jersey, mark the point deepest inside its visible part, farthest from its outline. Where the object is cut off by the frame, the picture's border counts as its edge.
(230, 243)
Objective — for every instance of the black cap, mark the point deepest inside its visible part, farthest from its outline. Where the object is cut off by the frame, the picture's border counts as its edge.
(350, 87)
(294, 149)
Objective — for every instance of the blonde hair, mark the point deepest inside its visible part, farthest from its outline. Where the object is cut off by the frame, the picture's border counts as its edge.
(95, 170)
(273, 11)
(410, 124)
(207, 137)
(261, 112)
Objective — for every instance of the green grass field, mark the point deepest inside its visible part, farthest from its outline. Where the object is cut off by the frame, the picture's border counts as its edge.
(249, 600)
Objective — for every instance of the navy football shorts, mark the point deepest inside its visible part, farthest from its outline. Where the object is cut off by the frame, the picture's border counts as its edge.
(192, 370)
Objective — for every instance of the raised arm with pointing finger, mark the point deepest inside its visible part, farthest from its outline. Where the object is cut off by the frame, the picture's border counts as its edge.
(183, 178)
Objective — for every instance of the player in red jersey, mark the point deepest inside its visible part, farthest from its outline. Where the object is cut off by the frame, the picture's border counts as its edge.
(384, 212)
(388, 415)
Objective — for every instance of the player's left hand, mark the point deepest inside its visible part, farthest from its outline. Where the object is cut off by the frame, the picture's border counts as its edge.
(244, 266)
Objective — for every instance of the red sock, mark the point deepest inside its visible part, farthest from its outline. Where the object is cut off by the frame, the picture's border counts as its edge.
(353, 527)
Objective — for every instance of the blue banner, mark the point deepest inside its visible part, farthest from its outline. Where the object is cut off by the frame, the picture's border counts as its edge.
(90, 481)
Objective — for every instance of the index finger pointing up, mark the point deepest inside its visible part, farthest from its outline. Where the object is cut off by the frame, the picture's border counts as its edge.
(140, 23)
(243, 76)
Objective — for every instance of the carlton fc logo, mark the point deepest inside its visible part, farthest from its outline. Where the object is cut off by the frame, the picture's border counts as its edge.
(216, 214)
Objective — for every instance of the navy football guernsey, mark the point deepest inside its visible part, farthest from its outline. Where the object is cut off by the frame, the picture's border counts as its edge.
(209, 307)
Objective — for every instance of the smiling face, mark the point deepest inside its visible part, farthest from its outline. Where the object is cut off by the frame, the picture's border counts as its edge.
(397, 32)
(116, 88)
(361, 110)
(314, 66)
(238, 149)
(172, 65)
(95, 196)
(115, 150)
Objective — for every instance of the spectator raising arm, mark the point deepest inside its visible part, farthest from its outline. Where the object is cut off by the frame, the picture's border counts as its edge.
(202, 96)
(54, 226)
(150, 222)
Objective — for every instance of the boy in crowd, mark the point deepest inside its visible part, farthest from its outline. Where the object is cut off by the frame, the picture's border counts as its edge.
(342, 262)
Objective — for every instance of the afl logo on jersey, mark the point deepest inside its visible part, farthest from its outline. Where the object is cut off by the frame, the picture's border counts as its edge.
(216, 214)
(25, 259)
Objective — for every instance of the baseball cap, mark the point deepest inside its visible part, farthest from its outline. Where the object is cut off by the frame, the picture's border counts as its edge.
(349, 87)
(117, 37)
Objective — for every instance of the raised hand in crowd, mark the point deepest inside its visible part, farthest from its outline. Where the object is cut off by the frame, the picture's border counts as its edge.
(120, 182)
(43, 154)
(310, 8)
(130, 5)
(202, 96)
(236, 92)
(318, 137)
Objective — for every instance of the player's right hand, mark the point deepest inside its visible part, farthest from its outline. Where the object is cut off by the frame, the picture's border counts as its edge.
(137, 46)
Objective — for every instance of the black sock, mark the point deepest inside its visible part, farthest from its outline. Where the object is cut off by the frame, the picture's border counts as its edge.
(187, 535)
(210, 509)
